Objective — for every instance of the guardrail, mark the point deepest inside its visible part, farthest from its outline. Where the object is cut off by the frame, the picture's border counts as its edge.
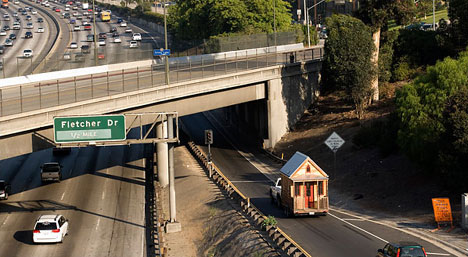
(22, 98)
(282, 240)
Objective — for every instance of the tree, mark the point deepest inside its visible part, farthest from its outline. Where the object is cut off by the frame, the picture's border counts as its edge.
(200, 19)
(376, 14)
(347, 63)
(458, 14)
(425, 108)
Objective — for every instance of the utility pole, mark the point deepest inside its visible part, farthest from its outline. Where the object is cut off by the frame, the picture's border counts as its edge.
(274, 19)
(94, 32)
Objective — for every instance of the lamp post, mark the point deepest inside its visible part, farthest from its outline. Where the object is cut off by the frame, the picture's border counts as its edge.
(94, 32)
(307, 18)
(165, 43)
(433, 15)
(274, 19)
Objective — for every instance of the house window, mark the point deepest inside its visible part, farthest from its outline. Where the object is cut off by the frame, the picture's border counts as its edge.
(308, 169)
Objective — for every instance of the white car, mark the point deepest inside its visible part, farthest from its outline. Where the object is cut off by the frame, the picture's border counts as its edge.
(3, 33)
(15, 14)
(29, 25)
(133, 44)
(128, 30)
(102, 42)
(77, 28)
(136, 37)
(34, 12)
(123, 24)
(16, 2)
(27, 53)
(73, 45)
(40, 30)
(8, 42)
(116, 40)
(67, 8)
(50, 228)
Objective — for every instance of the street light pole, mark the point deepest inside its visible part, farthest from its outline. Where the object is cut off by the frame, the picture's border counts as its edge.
(274, 19)
(94, 32)
(433, 15)
(165, 44)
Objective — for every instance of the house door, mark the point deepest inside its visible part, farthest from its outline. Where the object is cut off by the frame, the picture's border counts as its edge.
(309, 195)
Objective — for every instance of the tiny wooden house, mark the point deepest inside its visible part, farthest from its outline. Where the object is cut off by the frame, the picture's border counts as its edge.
(304, 186)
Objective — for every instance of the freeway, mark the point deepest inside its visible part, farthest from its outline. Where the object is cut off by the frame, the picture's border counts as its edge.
(14, 62)
(337, 234)
(102, 194)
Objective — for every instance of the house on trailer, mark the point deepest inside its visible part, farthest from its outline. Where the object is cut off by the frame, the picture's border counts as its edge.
(304, 186)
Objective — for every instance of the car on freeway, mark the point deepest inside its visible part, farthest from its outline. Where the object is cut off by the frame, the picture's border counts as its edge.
(136, 37)
(119, 20)
(133, 44)
(27, 53)
(40, 20)
(57, 10)
(6, 15)
(66, 56)
(79, 57)
(6, 28)
(34, 12)
(115, 34)
(112, 30)
(75, 14)
(117, 40)
(67, 8)
(123, 24)
(79, 17)
(8, 42)
(102, 35)
(29, 25)
(16, 25)
(24, 13)
(128, 30)
(72, 21)
(1, 65)
(28, 34)
(101, 56)
(40, 30)
(102, 42)
(16, 2)
(28, 18)
(12, 36)
(85, 49)
(87, 26)
(15, 14)
(77, 28)
(50, 228)
(73, 45)
(51, 171)
(7, 18)
(3, 33)
(5, 188)
(2, 49)
(90, 38)
(74, 8)
(406, 249)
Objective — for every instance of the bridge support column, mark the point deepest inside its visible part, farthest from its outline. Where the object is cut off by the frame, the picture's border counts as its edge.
(277, 113)
(162, 156)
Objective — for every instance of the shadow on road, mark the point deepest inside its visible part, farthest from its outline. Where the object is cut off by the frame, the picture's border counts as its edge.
(24, 236)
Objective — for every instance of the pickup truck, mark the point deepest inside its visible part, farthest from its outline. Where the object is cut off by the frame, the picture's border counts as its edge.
(51, 171)
(275, 192)
(5, 190)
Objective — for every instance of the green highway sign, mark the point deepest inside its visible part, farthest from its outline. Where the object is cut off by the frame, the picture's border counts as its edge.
(89, 128)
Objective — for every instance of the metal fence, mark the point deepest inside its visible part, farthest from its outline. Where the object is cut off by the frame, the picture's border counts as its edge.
(49, 93)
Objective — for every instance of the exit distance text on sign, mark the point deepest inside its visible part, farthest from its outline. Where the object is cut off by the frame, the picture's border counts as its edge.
(89, 128)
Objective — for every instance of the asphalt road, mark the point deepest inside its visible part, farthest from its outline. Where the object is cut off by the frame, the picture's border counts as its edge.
(102, 194)
(333, 235)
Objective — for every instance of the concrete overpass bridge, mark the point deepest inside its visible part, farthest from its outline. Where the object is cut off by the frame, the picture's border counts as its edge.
(270, 88)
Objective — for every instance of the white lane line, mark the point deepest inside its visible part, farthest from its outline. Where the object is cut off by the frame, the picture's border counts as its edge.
(250, 181)
(440, 254)
(97, 225)
(103, 195)
(63, 195)
(349, 219)
(354, 226)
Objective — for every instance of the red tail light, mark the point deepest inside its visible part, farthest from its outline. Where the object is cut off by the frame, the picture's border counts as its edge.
(56, 231)
(398, 253)
(36, 231)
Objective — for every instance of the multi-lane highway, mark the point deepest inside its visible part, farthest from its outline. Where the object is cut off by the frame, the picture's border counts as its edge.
(102, 195)
(52, 48)
(337, 234)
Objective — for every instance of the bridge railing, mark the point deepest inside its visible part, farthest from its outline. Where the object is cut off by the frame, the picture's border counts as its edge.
(22, 98)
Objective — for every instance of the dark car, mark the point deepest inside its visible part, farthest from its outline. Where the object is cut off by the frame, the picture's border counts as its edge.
(119, 20)
(2, 49)
(6, 28)
(102, 35)
(28, 34)
(113, 29)
(115, 34)
(79, 57)
(12, 36)
(5, 189)
(85, 49)
(406, 249)
(40, 20)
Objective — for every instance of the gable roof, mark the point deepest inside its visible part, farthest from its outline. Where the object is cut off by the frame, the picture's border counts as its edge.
(294, 163)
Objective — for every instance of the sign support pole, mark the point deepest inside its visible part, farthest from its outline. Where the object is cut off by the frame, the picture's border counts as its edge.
(173, 225)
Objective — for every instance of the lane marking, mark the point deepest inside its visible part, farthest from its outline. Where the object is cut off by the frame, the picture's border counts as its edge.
(250, 181)
(97, 225)
(440, 254)
(350, 219)
(354, 226)
(63, 195)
